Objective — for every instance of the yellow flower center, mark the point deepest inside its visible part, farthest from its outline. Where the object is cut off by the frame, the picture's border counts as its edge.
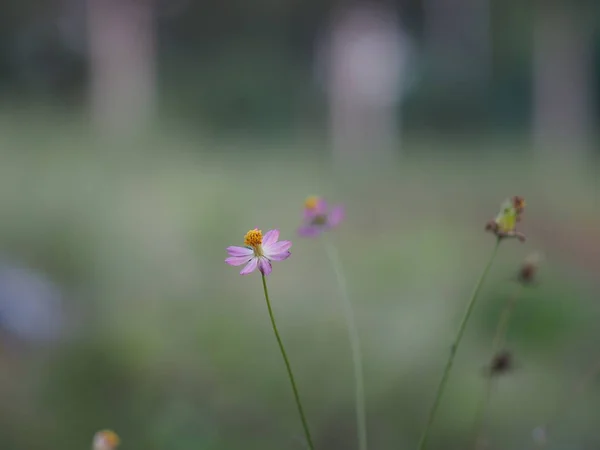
(110, 438)
(253, 239)
(311, 202)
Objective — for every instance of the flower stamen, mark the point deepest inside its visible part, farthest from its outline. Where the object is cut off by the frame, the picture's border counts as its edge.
(253, 240)
(312, 202)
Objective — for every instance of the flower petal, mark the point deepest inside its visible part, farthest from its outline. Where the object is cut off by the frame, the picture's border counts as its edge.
(239, 251)
(308, 214)
(238, 260)
(270, 238)
(319, 210)
(264, 265)
(336, 216)
(321, 206)
(250, 267)
(276, 248)
(309, 230)
(280, 256)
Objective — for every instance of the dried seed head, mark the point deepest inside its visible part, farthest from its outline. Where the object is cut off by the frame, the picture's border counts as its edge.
(518, 204)
(529, 268)
(504, 225)
(501, 363)
(492, 226)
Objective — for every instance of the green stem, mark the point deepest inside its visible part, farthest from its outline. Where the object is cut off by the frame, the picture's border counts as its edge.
(498, 343)
(454, 348)
(500, 337)
(481, 414)
(288, 367)
(361, 420)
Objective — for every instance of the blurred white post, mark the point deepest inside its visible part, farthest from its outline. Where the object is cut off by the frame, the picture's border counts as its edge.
(562, 71)
(365, 65)
(122, 63)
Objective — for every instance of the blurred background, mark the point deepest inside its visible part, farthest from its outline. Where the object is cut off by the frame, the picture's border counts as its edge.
(140, 138)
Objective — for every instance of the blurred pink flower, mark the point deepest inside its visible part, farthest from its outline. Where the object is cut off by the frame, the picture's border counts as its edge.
(105, 440)
(259, 251)
(318, 218)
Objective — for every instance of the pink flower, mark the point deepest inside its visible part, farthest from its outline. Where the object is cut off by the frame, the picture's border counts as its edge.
(259, 251)
(318, 218)
(106, 440)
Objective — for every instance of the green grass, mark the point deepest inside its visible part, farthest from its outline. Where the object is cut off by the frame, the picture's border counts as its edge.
(172, 348)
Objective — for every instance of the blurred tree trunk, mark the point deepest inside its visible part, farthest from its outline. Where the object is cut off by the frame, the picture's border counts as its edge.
(365, 61)
(122, 64)
(562, 76)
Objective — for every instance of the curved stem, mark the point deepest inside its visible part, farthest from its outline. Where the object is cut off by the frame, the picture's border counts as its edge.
(500, 337)
(453, 349)
(482, 413)
(288, 367)
(361, 419)
(498, 343)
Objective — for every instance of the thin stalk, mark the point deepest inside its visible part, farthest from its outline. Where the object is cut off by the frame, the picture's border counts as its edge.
(361, 420)
(461, 330)
(288, 367)
(497, 344)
